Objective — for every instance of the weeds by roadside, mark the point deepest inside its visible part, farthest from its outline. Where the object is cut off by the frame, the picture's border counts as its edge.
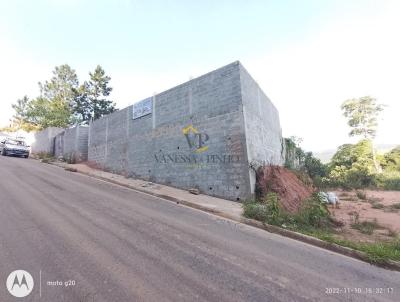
(396, 206)
(366, 227)
(314, 219)
(44, 157)
(378, 206)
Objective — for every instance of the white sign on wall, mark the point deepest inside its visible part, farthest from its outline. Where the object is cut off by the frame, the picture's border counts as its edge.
(143, 108)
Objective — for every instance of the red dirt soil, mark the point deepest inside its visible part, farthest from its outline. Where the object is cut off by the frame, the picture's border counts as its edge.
(289, 188)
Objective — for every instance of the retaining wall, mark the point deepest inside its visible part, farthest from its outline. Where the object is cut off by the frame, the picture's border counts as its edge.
(202, 134)
(43, 141)
(72, 144)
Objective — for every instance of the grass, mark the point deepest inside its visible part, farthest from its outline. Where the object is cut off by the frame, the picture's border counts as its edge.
(377, 206)
(389, 180)
(314, 221)
(395, 206)
(380, 252)
(45, 157)
(350, 198)
(366, 227)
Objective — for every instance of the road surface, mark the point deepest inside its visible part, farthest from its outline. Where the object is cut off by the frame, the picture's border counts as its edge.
(116, 244)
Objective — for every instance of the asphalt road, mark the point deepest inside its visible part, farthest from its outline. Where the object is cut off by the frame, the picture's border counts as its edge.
(120, 245)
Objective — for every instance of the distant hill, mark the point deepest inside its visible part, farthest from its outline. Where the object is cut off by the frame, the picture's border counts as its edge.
(325, 156)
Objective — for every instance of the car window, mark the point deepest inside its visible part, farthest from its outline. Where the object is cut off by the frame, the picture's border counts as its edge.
(14, 142)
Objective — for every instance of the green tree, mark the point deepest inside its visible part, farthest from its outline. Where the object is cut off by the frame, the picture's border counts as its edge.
(19, 119)
(313, 166)
(92, 102)
(62, 86)
(49, 113)
(362, 115)
(353, 165)
(391, 160)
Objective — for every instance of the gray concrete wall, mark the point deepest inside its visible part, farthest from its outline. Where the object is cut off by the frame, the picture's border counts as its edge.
(59, 145)
(264, 140)
(72, 144)
(44, 140)
(154, 147)
(204, 134)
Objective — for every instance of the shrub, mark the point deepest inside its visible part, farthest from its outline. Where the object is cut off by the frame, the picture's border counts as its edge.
(361, 195)
(274, 211)
(389, 180)
(313, 213)
(377, 206)
(396, 206)
(255, 210)
(45, 156)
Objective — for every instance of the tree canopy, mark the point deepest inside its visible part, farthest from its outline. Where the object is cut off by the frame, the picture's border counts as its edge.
(63, 102)
(362, 115)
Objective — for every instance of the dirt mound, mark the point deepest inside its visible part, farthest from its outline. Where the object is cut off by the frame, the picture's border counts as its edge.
(289, 188)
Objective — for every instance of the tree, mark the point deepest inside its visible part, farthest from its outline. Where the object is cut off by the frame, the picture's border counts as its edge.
(81, 108)
(63, 102)
(352, 165)
(49, 113)
(62, 86)
(362, 115)
(19, 120)
(391, 160)
(313, 166)
(92, 102)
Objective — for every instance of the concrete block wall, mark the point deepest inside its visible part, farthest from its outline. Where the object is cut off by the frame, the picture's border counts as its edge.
(59, 145)
(44, 140)
(264, 140)
(201, 134)
(72, 144)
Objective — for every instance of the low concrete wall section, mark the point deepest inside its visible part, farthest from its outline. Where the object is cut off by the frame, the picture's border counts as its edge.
(72, 144)
(43, 141)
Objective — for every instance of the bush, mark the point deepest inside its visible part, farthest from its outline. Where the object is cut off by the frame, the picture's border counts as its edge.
(391, 160)
(255, 210)
(44, 155)
(378, 206)
(313, 213)
(314, 167)
(388, 180)
(274, 211)
(268, 210)
(361, 195)
(352, 166)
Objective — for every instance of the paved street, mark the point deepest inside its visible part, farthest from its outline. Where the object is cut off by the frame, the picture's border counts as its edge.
(119, 245)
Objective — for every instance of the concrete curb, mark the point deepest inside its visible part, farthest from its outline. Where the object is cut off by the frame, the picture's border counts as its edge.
(392, 265)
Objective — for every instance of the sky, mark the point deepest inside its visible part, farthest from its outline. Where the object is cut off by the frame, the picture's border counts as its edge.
(307, 56)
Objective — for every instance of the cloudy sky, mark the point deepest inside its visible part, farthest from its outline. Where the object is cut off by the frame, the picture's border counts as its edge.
(308, 56)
